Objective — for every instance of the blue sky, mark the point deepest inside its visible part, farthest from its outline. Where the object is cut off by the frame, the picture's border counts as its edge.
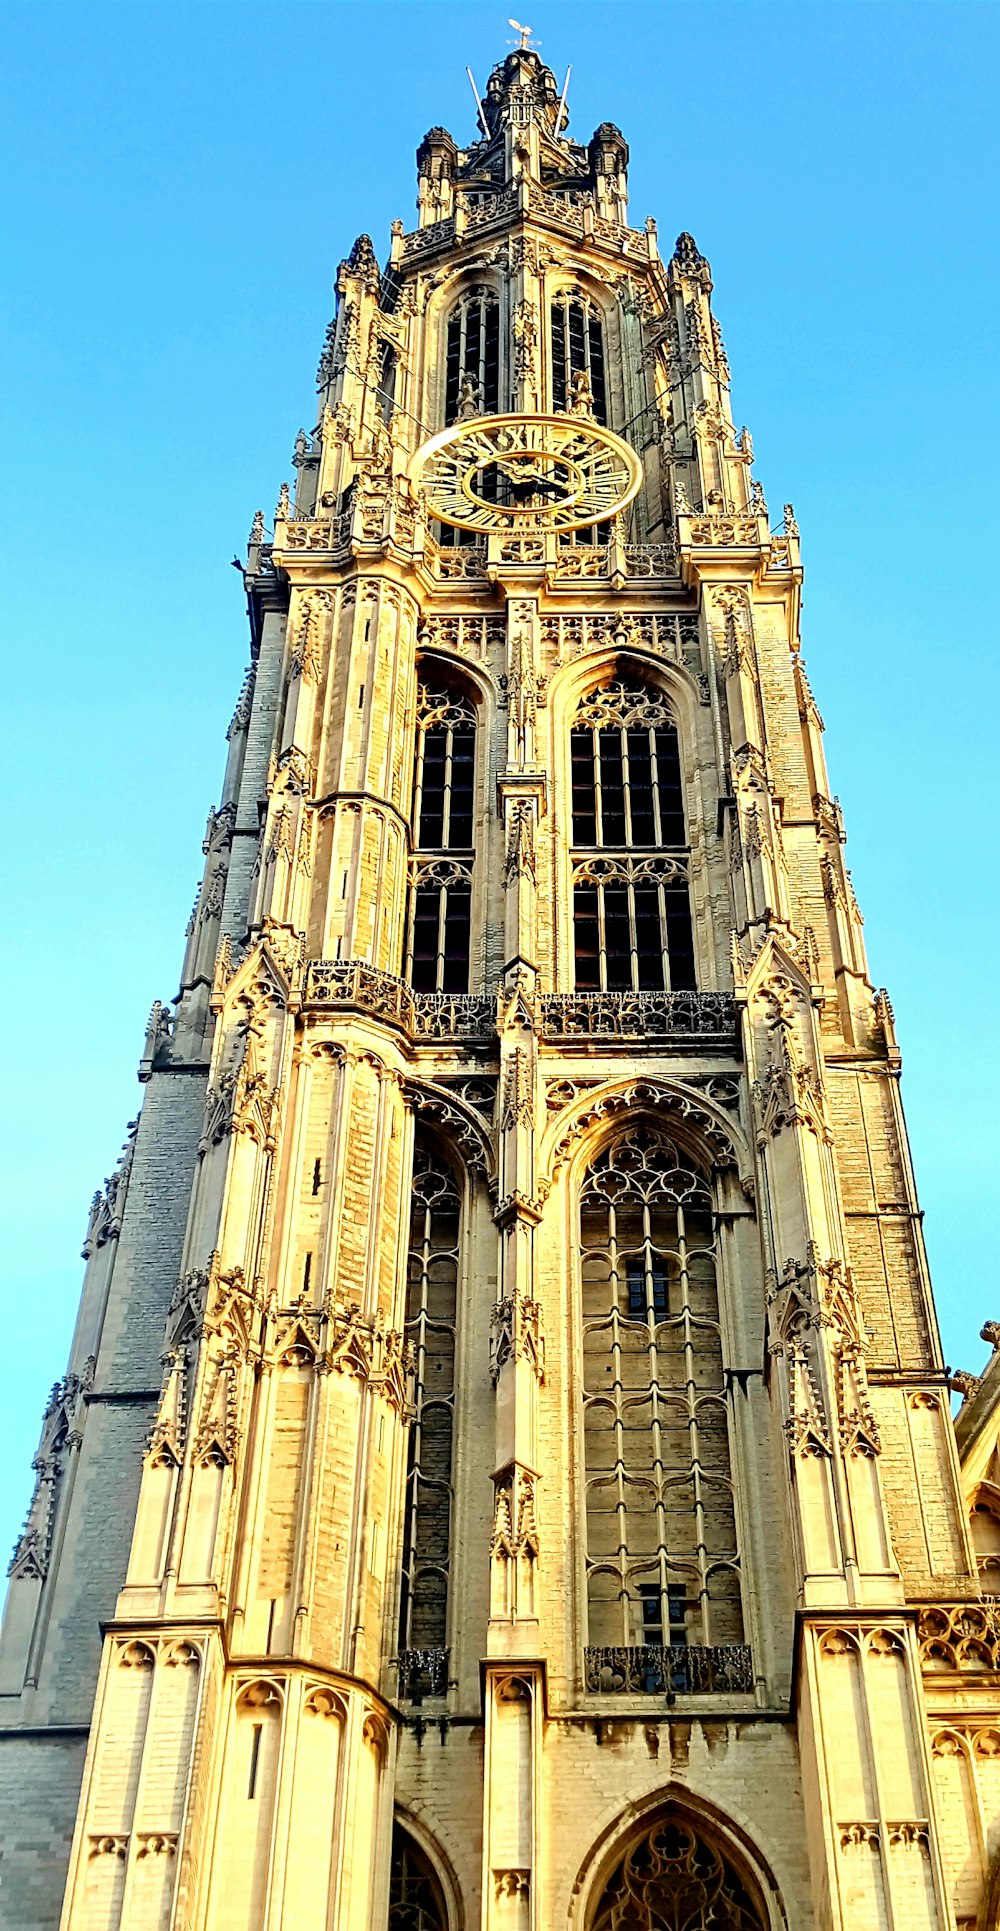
(180, 183)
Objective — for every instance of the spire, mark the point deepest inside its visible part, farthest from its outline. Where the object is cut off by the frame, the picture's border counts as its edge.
(521, 89)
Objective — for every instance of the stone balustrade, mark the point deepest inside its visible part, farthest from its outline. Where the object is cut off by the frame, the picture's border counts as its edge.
(708, 1018)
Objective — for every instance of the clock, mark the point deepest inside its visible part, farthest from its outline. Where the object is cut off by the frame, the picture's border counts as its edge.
(525, 473)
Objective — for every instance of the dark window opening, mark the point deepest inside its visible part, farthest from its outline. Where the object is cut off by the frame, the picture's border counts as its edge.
(631, 915)
(577, 338)
(443, 820)
(431, 1313)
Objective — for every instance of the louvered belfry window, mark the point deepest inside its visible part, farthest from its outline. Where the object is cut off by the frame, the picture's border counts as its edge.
(431, 1312)
(661, 1537)
(441, 871)
(473, 349)
(577, 336)
(631, 904)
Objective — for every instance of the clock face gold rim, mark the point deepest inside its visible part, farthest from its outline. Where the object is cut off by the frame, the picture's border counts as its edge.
(519, 474)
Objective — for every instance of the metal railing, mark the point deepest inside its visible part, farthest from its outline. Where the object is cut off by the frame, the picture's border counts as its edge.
(422, 1672)
(675, 1669)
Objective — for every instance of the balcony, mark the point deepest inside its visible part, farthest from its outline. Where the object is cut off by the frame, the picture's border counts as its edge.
(703, 1019)
(669, 1670)
(352, 986)
(422, 1672)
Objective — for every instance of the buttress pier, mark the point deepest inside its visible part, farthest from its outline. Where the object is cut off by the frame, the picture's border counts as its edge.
(505, 1475)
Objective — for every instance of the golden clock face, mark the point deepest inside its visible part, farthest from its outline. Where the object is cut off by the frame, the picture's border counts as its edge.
(525, 473)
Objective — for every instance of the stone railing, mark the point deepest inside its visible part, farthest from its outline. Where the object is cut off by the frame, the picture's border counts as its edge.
(351, 984)
(422, 1672)
(742, 529)
(960, 1635)
(675, 1669)
(650, 560)
(583, 560)
(456, 562)
(318, 533)
(707, 1017)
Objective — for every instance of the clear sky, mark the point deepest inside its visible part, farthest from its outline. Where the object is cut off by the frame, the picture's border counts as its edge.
(180, 183)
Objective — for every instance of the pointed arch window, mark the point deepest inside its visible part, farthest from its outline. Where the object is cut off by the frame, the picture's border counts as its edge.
(415, 1899)
(631, 902)
(577, 336)
(472, 356)
(440, 922)
(662, 1562)
(673, 1875)
(431, 1314)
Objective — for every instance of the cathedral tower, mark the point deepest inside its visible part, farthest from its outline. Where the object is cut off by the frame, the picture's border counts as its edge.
(504, 1475)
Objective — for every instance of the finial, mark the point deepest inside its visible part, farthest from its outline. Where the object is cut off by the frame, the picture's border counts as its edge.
(525, 33)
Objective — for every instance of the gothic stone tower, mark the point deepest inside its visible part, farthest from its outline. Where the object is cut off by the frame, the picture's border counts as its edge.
(505, 1475)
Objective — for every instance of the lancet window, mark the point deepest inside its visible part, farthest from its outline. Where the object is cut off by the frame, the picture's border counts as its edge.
(577, 336)
(472, 361)
(415, 1900)
(431, 1312)
(443, 807)
(631, 903)
(985, 1525)
(675, 1876)
(662, 1564)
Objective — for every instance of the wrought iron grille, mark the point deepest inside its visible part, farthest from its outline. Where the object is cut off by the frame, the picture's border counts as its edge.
(674, 1669)
(422, 1672)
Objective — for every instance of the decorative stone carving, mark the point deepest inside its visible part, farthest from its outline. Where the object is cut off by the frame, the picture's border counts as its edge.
(519, 859)
(516, 1335)
(652, 1096)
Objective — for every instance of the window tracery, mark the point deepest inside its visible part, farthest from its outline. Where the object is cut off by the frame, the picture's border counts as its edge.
(440, 920)
(415, 1900)
(673, 1876)
(430, 1322)
(985, 1526)
(472, 357)
(577, 335)
(662, 1561)
(631, 916)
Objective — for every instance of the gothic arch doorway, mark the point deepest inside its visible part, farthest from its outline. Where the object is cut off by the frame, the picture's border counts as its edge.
(673, 1876)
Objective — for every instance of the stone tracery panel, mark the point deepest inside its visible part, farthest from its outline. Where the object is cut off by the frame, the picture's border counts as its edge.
(431, 1314)
(662, 1561)
(675, 1879)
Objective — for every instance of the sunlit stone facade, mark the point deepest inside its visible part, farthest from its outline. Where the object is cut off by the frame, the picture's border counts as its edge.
(504, 1475)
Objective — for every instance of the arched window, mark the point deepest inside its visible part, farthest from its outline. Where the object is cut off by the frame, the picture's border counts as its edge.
(985, 1525)
(631, 905)
(577, 336)
(673, 1875)
(472, 366)
(431, 1312)
(662, 1564)
(415, 1900)
(443, 806)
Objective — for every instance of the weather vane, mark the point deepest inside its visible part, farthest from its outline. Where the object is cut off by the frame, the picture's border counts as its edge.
(525, 33)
